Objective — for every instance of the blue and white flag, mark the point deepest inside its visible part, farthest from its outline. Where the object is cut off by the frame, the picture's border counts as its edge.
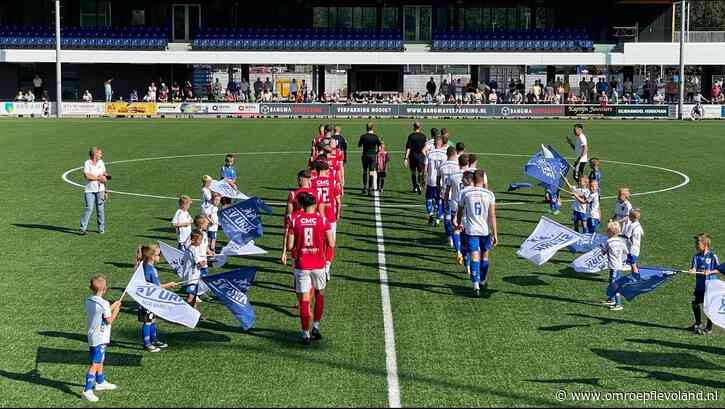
(231, 289)
(715, 301)
(592, 262)
(587, 242)
(519, 185)
(547, 238)
(547, 168)
(182, 262)
(241, 222)
(648, 279)
(161, 302)
(563, 163)
(226, 190)
(249, 249)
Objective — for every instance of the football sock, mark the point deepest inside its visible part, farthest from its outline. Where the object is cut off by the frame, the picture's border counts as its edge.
(696, 312)
(100, 378)
(475, 271)
(316, 325)
(381, 182)
(457, 242)
(146, 334)
(90, 379)
(439, 209)
(305, 315)
(448, 226)
(429, 206)
(371, 179)
(365, 179)
(319, 307)
(154, 333)
(414, 180)
(484, 269)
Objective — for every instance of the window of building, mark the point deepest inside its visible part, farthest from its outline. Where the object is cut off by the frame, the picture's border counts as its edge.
(321, 17)
(390, 17)
(344, 17)
(364, 17)
(473, 18)
(544, 17)
(95, 13)
(138, 17)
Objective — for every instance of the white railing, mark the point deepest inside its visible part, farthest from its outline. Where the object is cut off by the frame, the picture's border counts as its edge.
(702, 36)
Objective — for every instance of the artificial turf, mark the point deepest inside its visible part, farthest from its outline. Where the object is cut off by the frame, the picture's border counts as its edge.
(537, 330)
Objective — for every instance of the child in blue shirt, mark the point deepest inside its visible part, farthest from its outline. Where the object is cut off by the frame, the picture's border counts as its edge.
(229, 172)
(704, 266)
(148, 256)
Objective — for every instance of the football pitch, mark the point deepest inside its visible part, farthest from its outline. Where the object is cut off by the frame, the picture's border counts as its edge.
(535, 332)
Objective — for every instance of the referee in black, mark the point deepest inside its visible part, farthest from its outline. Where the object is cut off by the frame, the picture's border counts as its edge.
(370, 144)
(415, 157)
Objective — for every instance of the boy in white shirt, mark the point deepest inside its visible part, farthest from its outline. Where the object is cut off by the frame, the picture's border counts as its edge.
(632, 230)
(616, 250)
(580, 204)
(594, 213)
(99, 315)
(623, 206)
(198, 255)
(182, 221)
(211, 211)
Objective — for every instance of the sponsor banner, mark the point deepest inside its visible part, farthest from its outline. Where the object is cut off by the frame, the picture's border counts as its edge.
(603, 110)
(643, 111)
(168, 107)
(470, 110)
(232, 108)
(709, 111)
(10, 108)
(628, 111)
(529, 110)
(84, 108)
(364, 110)
(135, 108)
(311, 110)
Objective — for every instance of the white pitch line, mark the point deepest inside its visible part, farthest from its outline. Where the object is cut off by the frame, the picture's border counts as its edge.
(391, 363)
(685, 178)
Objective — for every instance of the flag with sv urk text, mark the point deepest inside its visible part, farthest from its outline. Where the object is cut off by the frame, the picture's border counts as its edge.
(547, 238)
(547, 167)
(231, 289)
(593, 261)
(715, 301)
(182, 261)
(644, 281)
(161, 302)
(242, 222)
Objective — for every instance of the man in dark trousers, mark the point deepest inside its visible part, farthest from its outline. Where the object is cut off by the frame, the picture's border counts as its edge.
(370, 144)
(341, 141)
(415, 158)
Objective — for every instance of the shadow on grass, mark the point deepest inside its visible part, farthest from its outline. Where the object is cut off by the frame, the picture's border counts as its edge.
(574, 381)
(71, 336)
(553, 298)
(609, 320)
(525, 281)
(670, 377)
(34, 377)
(58, 229)
(678, 345)
(76, 357)
(662, 359)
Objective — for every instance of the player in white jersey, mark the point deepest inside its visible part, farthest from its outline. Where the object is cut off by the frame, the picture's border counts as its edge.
(452, 190)
(100, 314)
(445, 171)
(632, 230)
(616, 250)
(623, 206)
(434, 160)
(477, 217)
(581, 149)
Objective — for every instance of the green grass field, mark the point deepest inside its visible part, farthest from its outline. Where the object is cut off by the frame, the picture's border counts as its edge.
(537, 331)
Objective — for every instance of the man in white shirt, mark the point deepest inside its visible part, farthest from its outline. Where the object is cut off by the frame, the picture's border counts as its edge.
(37, 85)
(477, 218)
(94, 171)
(108, 89)
(581, 148)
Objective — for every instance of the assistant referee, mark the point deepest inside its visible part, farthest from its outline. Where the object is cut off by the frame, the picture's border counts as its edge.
(370, 144)
(415, 157)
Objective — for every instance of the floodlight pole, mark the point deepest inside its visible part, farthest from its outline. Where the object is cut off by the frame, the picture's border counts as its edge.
(681, 104)
(58, 85)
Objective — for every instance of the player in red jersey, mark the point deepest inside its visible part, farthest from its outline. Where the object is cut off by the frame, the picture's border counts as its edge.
(304, 185)
(321, 140)
(336, 160)
(331, 206)
(310, 235)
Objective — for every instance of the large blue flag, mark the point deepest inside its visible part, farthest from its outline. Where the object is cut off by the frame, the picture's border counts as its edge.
(643, 282)
(563, 163)
(241, 222)
(231, 289)
(546, 167)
